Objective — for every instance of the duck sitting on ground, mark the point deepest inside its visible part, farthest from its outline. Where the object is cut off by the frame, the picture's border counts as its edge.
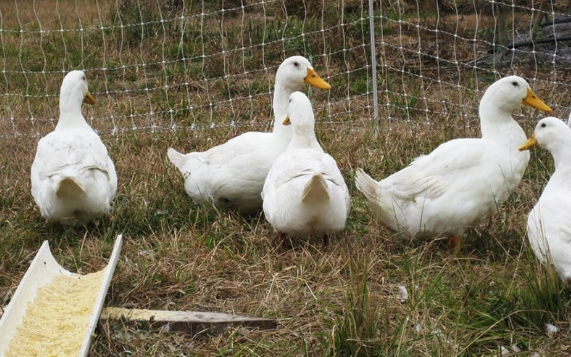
(232, 174)
(549, 222)
(462, 181)
(305, 194)
(73, 178)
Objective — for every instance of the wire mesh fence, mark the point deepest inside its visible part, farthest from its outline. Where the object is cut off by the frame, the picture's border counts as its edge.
(168, 65)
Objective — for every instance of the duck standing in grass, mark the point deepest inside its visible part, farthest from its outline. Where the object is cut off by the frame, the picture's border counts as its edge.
(232, 174)
(549, 222)
(73, 178)
(462, 181)
(305, 194)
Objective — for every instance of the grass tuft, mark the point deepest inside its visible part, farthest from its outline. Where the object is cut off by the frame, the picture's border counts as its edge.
(358, 330)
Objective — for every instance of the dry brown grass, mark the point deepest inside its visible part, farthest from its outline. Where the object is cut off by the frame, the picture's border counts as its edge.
(67, 14)
(178, 256)
(338, 300)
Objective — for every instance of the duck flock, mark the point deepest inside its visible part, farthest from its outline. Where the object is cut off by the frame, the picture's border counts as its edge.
(300, 188)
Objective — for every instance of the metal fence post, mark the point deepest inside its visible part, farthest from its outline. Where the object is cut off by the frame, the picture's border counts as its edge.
(373, 62)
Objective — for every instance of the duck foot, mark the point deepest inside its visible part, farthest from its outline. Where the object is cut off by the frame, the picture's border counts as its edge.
(282, 241)
(454, 243)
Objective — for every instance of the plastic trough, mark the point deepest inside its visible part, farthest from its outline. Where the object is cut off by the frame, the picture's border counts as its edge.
(42, 271)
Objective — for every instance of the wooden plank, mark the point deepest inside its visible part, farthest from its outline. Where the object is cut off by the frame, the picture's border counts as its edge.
(192, 322)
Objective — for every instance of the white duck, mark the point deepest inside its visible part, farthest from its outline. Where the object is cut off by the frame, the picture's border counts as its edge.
(232, 174)
(73, 178)
(549, 222)
(463, 180)
(305, 194)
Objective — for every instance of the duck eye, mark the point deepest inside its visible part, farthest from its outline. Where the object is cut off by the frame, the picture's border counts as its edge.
(514, 84)
(83, 77)
(296, 64)
(543, 125)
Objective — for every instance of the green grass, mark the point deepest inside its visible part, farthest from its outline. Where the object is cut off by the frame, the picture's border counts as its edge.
(339, 300)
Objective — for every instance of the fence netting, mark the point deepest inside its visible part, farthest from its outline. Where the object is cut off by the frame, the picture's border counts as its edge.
(168, 65)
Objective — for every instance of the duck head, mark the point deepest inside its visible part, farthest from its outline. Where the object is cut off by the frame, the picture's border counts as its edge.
(295, 71)
(511, 93)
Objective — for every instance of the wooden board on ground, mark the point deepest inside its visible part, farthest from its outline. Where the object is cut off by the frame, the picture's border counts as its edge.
(191, 322)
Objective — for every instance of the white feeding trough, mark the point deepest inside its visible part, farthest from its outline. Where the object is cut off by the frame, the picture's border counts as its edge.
(53, 311)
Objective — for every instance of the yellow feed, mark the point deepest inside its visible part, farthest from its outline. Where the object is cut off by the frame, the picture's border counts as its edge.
(56, 321)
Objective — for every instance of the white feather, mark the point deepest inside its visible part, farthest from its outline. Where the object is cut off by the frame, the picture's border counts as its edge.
(463, 180)
(73, 179)
(549, 222)
(316, 189)
(232, 174)
(304, 193)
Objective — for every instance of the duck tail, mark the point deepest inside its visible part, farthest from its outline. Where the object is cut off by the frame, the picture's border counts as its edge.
(69, 187)
(176, 158)
(315, 189)
(367, 185)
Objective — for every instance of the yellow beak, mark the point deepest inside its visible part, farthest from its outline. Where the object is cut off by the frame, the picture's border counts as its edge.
(531, 142)
(89, 99)
(313, 79)
(533, 101)
(286, 121)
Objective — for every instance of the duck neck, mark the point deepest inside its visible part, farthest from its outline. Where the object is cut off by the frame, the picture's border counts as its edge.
(72, 121)
(498, 124)
(304, 137)
(560, 151)
(70, 116)
(280, 104)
